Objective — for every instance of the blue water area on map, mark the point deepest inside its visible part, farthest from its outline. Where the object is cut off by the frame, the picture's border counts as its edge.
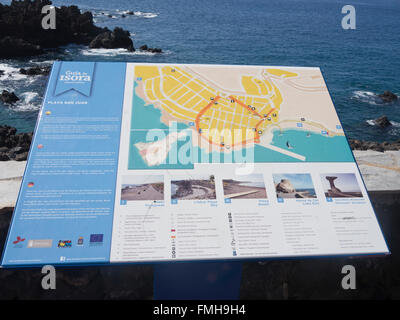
(314, 146)
(146, 117)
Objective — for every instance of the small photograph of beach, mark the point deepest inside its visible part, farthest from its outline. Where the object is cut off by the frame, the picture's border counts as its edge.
(199, 187)
(245, 187)
(341, 185)
(294, 186)
(142, 187)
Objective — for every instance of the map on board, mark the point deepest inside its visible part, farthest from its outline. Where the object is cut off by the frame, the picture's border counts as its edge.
(277, 113)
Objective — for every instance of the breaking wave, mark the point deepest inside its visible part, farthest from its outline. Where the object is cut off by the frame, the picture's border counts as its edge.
(117, 52)
(30, 101)
(114, 14)
(393, 123)
(367, 97)
(10, 73)
(147, 15)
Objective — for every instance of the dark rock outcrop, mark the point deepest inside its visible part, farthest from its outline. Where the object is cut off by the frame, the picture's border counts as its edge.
(14, 146)
(118, 38)
(376, 146)
(21, 32)
(382, 122)
(17, 47)
(34, 71)
(388, 97)
(153, 50)
(8, 97)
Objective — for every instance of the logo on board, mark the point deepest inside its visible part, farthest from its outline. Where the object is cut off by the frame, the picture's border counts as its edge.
(96, 239)
(64, 244)
(18, 242)
(76, 76)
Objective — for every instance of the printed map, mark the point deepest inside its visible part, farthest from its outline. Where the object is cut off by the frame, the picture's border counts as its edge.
(286, 113)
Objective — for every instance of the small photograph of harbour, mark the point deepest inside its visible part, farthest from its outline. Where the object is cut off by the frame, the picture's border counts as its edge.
(245, 187)
(141, 187)
(341, 185)
(194, 188)
(298, 185)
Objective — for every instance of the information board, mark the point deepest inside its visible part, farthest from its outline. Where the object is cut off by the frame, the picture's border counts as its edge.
(157, 162)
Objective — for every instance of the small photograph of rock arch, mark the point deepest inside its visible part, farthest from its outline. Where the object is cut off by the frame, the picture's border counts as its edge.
(298, 185)
(142, 187)
(198, 187)
(341, 185)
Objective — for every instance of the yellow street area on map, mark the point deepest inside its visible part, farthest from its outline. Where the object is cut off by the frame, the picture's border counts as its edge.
(219, 116)
(230, 107)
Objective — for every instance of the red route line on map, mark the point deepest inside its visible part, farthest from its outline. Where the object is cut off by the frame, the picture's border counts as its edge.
(216, 98)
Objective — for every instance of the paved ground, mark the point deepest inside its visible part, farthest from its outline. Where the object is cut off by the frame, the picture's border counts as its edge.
(380, 170)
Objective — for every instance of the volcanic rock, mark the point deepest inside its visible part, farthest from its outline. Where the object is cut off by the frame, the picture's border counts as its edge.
(118, 38)
(34, 71)
(153, 50)
(388, 96)
(382, 122)
(285, 186)
(14, 146)
(8, 97)
(21, 32)
(17, 47)
(376, 146)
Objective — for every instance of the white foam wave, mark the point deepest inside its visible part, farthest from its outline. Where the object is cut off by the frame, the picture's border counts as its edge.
(27, 102)
(106, 52)
(147, 15)
(116, 52)
(44, 62)
(116, 13)
(366, 96)
(24, 107)
(29, 96)
(10, 73)
(393, 123)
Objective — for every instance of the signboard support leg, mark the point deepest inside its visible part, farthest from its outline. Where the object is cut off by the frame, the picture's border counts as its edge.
(197, 281)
